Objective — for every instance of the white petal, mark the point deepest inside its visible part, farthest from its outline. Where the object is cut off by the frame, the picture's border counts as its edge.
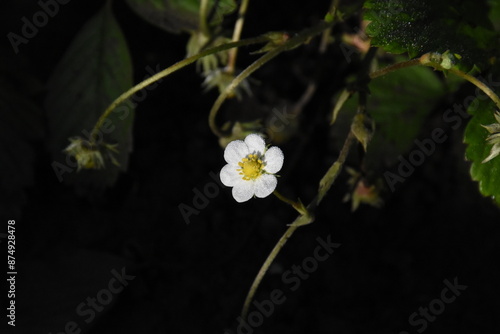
(265, 185)
(255, 143)
(229, 175)
(274, 160)
(235, 151)
(243, 191)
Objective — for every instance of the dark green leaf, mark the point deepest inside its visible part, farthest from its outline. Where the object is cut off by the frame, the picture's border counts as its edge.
(179, 15)
(421, 26)
(398, 102)
(95, 70)
(495, 13)
(487, 174)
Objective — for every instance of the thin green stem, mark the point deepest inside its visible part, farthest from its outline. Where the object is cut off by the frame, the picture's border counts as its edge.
(326, 34)
(284, 199)
(334, 171)
(304, 219)
(296, 205)
(238, 28)
(203, 18)
(289, 44)
(395, 67)
(306, 216)
(236, 81)
(443, 63)
(432, 60)
(177, 66)
(487, 90)
(265, 267)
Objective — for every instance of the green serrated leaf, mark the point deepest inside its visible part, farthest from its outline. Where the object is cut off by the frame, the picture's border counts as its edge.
(95, 70)
(421, 26)
(179, 15)
(487, 174)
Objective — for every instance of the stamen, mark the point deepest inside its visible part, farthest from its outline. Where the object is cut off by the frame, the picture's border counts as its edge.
(251, 167)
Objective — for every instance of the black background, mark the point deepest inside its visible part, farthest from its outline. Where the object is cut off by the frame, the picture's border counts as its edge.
(193, 278)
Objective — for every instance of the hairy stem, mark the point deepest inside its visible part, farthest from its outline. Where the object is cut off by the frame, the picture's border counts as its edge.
(177, 66)
(395, 67)
(325, 184)
(331, 175)
(238, 28)
(442, 63)
(203, 18)
(479, 84)
(433, 60)
(229, 89)
(265, 267)
(284, 199)
(289, 44)
(326, 34)
(307, 216)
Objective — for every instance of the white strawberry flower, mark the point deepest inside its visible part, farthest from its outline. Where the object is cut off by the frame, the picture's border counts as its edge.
(251, 167)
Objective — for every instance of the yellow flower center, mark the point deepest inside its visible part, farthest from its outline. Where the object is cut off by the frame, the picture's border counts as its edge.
(251, 167)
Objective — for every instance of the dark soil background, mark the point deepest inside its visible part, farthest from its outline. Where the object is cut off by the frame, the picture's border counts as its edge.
(193, 278)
